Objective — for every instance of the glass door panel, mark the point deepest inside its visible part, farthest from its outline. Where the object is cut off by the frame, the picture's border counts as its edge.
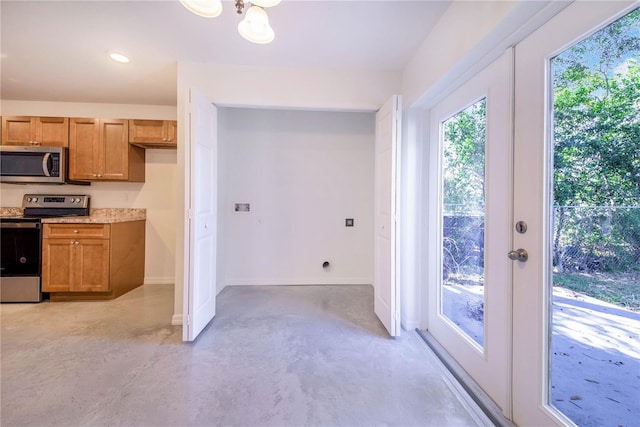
(463, 154)
(595, 237)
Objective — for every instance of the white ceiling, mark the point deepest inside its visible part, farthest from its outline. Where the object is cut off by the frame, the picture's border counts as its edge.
(57, 50)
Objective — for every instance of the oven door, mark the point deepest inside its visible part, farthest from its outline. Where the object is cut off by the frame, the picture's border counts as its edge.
(20, 261)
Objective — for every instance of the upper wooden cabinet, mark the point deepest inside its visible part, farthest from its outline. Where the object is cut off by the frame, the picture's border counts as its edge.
(153, 133)
(27, 130)
(99, 150)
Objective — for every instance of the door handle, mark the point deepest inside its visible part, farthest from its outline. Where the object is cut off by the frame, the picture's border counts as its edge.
(45, 164)
(518, 255)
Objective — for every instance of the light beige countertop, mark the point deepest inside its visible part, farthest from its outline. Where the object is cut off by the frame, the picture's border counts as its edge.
(100, 216)
(10, 212)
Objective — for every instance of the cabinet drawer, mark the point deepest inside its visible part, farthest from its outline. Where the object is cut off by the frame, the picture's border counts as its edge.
(94, 231)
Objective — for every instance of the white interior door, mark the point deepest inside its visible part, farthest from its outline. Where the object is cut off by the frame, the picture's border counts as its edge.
(386, 285)
(201, 169)
(533, 171)
(469, 304)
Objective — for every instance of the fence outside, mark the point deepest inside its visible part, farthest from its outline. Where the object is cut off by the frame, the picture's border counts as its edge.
(590, 239)
(603, 239)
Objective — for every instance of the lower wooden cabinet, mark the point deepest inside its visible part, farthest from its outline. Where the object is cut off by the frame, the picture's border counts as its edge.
(80, 265)
(92, 261)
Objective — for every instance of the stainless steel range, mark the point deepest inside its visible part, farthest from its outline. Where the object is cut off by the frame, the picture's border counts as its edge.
(21, 240)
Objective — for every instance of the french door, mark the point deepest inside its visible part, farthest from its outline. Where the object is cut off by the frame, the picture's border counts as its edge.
(469, 282)
(491, 263)
(534, 167)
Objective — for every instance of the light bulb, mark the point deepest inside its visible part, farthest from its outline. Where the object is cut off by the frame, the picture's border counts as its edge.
(205, 8)
(265, 3)
(255, 26)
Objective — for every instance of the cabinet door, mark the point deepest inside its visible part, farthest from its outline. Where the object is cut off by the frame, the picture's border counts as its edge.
(91, 265)
(57, 261)
(17, 130)
(172, 131)
(114, 138)
(84, 149)
(52, 131)
(146, 131)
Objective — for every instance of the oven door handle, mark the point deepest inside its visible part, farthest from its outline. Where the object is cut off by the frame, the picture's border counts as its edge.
(20, 225)
(45, 164)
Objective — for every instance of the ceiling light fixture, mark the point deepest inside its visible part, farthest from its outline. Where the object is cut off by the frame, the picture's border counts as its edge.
(205, 8)
(118, 57)
(255, 25)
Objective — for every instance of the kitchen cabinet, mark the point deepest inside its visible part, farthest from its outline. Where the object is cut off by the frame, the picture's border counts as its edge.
(92, 261)
(34, 131)
(153, 133)
(99, 150)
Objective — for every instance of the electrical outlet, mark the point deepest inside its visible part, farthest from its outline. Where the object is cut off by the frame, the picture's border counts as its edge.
(242, 207)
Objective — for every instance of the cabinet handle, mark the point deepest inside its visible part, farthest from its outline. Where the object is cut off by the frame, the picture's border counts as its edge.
(75, 231)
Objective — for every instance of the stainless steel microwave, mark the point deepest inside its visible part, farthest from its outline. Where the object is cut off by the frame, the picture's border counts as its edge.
(26, 165)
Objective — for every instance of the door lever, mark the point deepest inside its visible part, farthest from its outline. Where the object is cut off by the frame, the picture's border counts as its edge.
(518, 255)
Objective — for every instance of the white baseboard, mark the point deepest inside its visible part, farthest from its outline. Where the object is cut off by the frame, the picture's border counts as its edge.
(159, 280)
(303, 282)
(176, 320)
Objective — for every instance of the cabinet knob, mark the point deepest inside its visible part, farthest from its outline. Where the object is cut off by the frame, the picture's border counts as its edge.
(76, 243)
(75, 231)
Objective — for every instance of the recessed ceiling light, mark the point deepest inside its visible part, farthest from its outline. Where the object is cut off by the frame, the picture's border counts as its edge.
(119, 57)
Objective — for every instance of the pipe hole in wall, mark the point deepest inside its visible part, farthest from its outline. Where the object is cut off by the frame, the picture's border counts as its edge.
(326, 266)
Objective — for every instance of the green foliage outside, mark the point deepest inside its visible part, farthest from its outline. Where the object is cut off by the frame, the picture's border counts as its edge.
(597, 163)
(463, 193)
(596, 177)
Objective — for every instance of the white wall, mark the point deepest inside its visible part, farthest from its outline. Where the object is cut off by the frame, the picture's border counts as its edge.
(157, 194)
(303, 173)
(467, 38)
(298, 88)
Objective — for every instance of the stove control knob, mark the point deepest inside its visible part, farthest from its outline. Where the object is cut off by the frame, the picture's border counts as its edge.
(34, 199)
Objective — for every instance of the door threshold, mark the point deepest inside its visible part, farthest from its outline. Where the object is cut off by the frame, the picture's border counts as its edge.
(484, 402)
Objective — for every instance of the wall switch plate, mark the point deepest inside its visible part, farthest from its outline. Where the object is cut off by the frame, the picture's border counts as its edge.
(348, 222)
(243, 207)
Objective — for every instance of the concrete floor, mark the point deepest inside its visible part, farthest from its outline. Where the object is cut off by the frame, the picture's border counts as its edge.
(273, 356)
